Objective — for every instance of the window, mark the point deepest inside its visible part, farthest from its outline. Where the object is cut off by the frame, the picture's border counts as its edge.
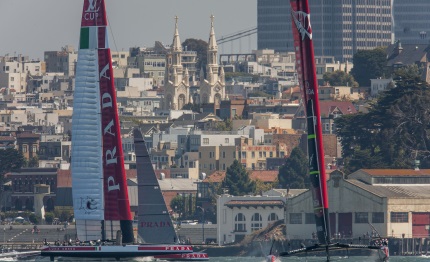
(223, 154)
(243, 155)
(273, 217)
(239, 223)
(399, 217)
(253, 154)
(205, 141)
(361, 217)
(310, 218)
(24, 148)
(256, 222)
(295, 218)
(378, 217)
(34, 149)
(227, 140)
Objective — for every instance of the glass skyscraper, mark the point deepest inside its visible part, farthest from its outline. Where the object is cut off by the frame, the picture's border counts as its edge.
(340, 27)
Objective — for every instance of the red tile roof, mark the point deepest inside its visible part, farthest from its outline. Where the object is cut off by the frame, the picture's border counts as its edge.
(254, 203)
(215, 177)
(396, 172)
(264, 175)
(345, 107)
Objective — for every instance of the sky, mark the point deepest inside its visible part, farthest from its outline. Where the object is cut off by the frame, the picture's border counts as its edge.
(30, 27)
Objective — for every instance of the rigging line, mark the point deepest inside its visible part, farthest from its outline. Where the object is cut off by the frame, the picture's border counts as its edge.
(114, 43)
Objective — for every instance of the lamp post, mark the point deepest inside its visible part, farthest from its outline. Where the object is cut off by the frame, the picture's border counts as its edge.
(203, 224)
(4, 235)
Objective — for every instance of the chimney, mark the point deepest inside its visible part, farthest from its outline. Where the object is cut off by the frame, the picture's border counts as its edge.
(398, 49)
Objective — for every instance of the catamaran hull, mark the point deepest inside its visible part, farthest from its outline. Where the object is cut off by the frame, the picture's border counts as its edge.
(124, 251)
(195, 256)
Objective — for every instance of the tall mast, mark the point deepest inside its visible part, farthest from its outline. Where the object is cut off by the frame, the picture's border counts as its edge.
(305, 64)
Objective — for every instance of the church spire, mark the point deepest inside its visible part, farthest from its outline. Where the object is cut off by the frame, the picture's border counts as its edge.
(176, 52)
(212, 39)
(212, 62)
(176, 45)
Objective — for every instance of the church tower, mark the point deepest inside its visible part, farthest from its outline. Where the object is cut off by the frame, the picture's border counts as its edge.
(212, 89)
(176, 88)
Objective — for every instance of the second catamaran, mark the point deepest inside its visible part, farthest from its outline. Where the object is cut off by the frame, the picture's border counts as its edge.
(305, 65)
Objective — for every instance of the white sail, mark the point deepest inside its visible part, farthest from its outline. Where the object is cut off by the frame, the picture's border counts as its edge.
(86, 161)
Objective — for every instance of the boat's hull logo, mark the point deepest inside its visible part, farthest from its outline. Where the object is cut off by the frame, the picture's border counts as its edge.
(89, 205)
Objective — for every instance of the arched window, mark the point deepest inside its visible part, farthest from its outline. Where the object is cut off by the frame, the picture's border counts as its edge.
(240, 223)
(272, 217)
(256, 222)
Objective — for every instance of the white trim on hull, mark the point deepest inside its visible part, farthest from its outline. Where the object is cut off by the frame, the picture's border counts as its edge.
(116, 252)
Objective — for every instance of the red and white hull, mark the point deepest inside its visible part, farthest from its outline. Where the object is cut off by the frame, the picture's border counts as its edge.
(116, 252)
(195, 256)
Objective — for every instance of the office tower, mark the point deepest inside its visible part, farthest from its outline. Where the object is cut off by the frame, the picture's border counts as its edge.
(411, 18)
(340, 28)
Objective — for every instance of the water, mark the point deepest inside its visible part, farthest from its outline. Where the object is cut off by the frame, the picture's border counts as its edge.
(254, 259)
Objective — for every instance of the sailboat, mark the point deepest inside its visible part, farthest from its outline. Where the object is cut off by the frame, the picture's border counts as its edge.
(155, 224)
(305, 61)
(100, 198)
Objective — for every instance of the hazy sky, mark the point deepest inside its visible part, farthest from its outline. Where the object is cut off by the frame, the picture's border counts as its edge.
(30, 27)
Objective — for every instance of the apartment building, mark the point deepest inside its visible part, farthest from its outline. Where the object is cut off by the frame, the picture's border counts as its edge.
(61, 61)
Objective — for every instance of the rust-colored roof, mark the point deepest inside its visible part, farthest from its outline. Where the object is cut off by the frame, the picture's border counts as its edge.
(64, 178)
(27, 135)
(264, 175)
(397, 172)
(215, 177)
(328, 107)
(7, 138)
(254, 203)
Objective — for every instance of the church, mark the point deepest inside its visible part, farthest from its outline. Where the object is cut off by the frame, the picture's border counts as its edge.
(177, 88)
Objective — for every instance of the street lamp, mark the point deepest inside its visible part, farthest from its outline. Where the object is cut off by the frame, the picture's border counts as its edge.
(203, 224)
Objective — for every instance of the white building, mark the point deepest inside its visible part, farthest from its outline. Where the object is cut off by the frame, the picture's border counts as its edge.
(379, 85)
(395, 201)
(239, 216)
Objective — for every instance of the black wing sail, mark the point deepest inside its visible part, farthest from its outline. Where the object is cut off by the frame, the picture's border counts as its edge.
(154, 222)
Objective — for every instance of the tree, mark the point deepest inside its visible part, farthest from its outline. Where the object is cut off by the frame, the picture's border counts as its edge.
(10, 160)
(395, 132)
(294, 173)
(49, 218)
(369, 64)
(339, 78)
(33, 219)
(177, 205)
(237, 180)
(201, 47)
(225, 125)
(261, 187)
(32, 162)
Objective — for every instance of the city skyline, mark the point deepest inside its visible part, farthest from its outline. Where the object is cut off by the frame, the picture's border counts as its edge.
(38, 28)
